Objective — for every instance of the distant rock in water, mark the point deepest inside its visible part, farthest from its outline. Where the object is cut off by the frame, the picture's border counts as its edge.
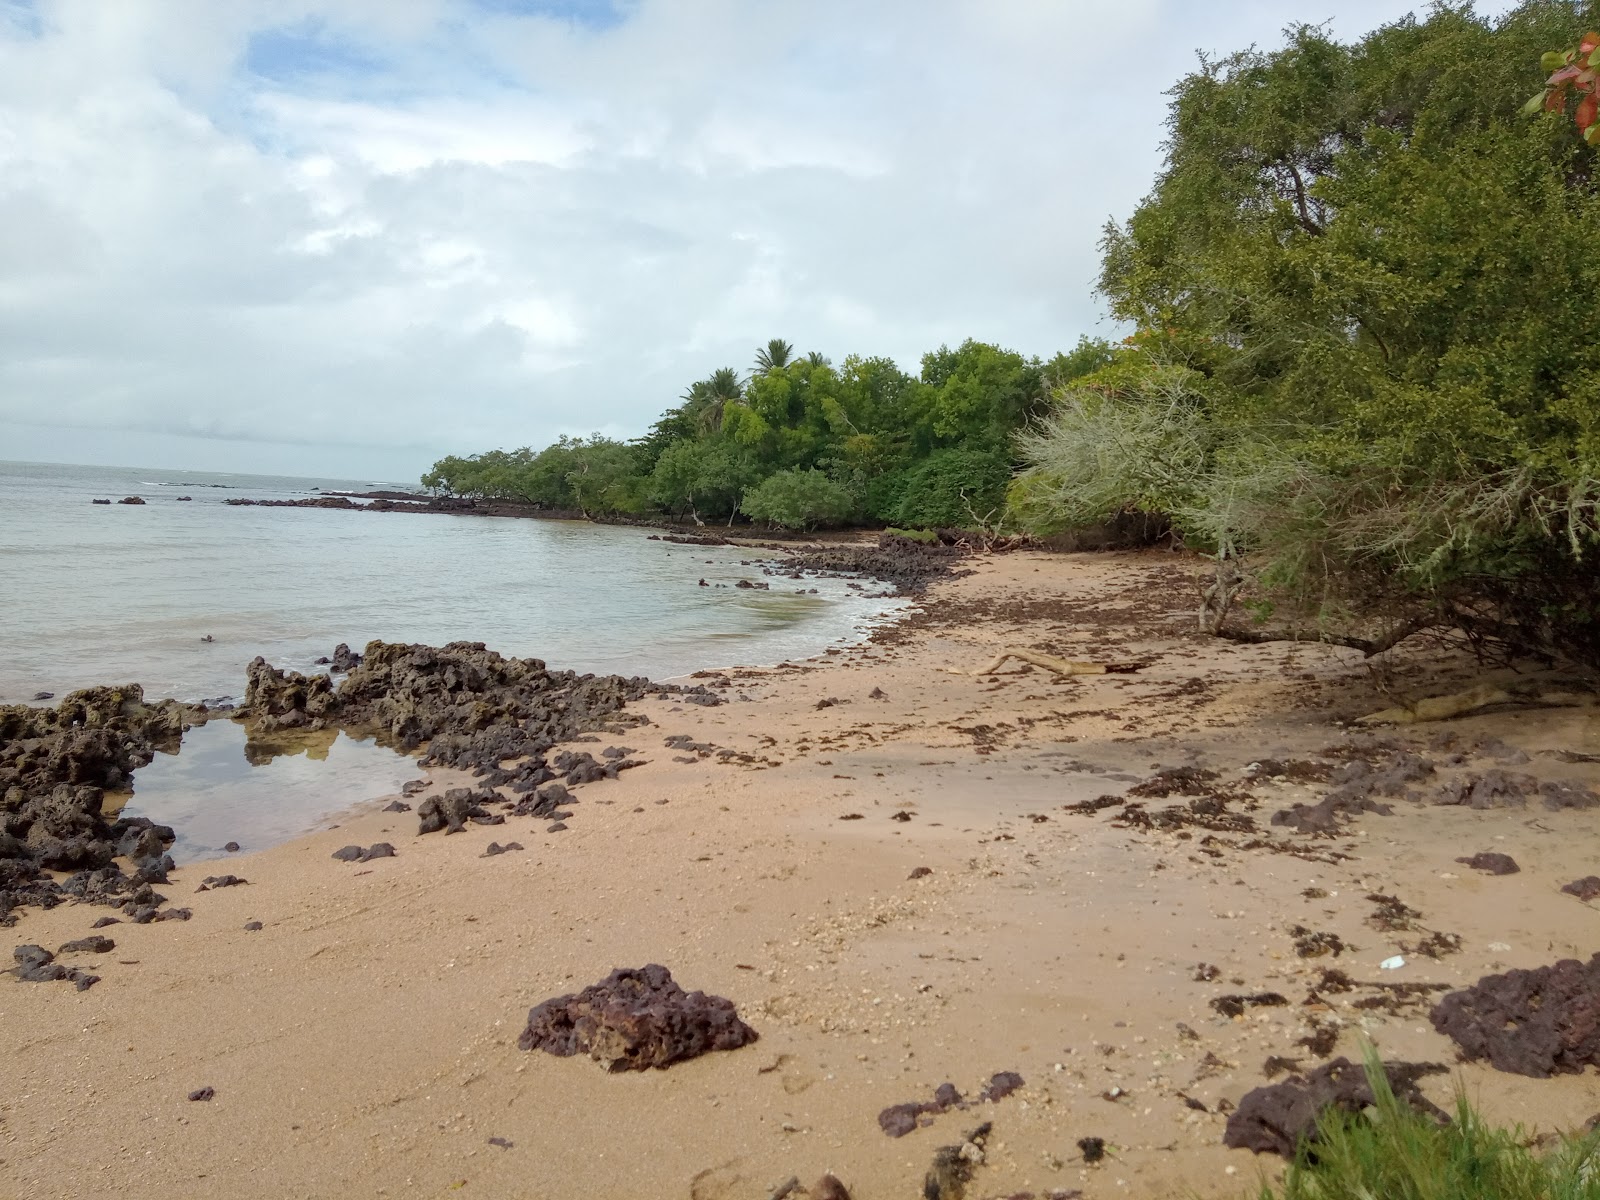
(635, 1019)
(344, 659)
(131, 500)
(99, 502)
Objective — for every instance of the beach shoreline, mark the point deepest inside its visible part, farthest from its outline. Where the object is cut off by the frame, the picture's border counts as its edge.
(362, 1042)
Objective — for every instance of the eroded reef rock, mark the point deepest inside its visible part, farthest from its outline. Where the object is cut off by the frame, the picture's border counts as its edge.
(56, 765)
(470, 707)
(1539, 1022)
(635, 1019)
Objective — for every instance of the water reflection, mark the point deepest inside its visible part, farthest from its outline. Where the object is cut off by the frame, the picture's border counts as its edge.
(228, 783)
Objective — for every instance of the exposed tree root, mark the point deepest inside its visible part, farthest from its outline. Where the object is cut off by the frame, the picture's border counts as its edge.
(1060, 666)
(1488, 695)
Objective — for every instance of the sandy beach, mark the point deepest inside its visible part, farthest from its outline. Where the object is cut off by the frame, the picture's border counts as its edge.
(362, 1042)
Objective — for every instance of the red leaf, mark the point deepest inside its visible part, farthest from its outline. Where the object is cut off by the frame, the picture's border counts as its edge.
(1587, 108)
(1589, 42)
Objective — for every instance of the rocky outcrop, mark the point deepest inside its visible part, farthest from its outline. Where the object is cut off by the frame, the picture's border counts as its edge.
(907, 564)
(466, 705)
(635, 1019)
(1539, 1022)
(56, 765)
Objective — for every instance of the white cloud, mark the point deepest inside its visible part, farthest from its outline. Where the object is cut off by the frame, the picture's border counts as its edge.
(398, 230)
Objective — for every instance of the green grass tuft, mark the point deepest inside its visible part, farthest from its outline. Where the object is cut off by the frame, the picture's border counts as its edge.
(1392, 1152)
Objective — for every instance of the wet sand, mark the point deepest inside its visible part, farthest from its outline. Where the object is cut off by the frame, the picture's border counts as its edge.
(363, 1042)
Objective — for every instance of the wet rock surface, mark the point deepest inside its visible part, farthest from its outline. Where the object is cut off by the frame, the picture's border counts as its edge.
(1539, 1022)
(1276, 1118)
(635, 1019)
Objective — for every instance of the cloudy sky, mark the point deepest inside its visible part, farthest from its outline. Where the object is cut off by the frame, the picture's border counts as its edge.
(346, 237)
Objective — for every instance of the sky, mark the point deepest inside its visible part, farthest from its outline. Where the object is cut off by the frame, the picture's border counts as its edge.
(348, 237)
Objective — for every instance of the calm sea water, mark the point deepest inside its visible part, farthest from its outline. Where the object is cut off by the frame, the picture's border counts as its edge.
(93, 594)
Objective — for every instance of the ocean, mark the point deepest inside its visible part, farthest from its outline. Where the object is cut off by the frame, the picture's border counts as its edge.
(97, 594)
(180, 595)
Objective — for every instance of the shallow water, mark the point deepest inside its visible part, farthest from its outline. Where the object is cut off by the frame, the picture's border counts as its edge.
(221, 787)
(96, 594)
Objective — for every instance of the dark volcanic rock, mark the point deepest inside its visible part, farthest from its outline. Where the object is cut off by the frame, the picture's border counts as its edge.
(131, 500)
(470, 707)
(35, 964)
(635, 1019)
(1234, 1006)
(900, 1119)
(1277, 1118)
(204, 1093)
(344, 659)
(89, 945)
(1493, 863)
(1539, 1022)
(907, 564)
(55, 766)
(1586, 888)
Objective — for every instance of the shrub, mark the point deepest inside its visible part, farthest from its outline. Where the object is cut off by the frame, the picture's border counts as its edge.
(798, 500)
(952, 487)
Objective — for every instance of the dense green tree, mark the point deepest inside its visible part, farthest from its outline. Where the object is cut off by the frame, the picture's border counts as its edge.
(1363, 293)
(866, 427)
(798, 500)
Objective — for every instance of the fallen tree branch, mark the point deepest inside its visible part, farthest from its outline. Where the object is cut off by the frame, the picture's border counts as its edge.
(1460, 704)
(1369, 647)
(1060, 666)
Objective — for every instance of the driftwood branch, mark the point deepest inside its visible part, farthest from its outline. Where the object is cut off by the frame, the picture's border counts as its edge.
(1460, 704)
(1368, 646)
(1060, 666)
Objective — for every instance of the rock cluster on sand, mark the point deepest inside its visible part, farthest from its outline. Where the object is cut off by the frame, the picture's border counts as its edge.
(55, 767)
(635, 1019)
(1541, 1022)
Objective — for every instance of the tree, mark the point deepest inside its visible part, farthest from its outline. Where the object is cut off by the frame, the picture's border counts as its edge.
(1377, 279)
(774, 356)
(702, 478)
(798, 500)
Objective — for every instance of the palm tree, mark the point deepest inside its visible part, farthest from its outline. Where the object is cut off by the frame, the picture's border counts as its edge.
(818, 359)
(774, 356)
(706, 400)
